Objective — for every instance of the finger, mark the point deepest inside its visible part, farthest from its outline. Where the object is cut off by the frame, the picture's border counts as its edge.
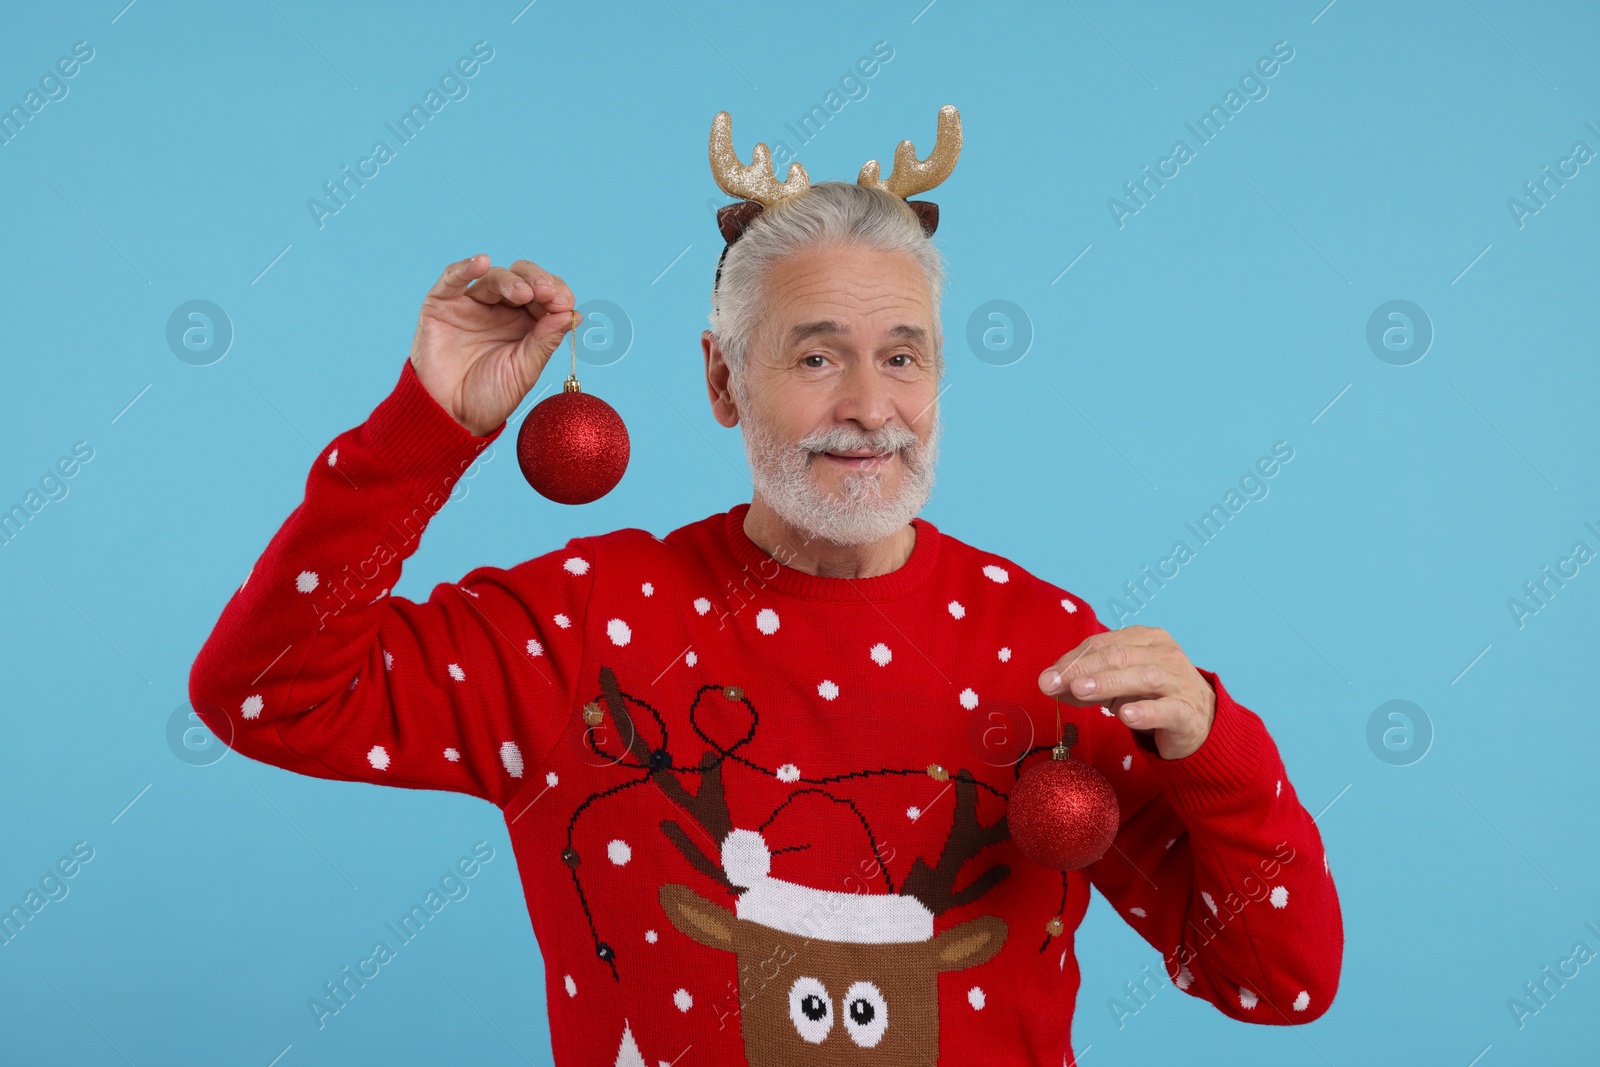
(547, 285)
(457, 276)
(1144, 679)
(1098, 651)
(1163, 713)
(541, 342)
(1117, 657)
(501, 286)
(533, 272)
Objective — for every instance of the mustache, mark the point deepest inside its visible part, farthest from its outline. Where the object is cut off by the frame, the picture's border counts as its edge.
(842, 439)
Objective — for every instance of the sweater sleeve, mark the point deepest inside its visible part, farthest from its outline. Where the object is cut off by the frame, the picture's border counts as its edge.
(315, 668)
(1219, 867)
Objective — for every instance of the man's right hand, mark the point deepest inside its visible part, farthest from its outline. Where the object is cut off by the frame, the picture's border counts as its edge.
(480, 347)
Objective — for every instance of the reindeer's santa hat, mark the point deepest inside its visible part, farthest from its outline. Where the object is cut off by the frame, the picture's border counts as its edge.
(861, 918)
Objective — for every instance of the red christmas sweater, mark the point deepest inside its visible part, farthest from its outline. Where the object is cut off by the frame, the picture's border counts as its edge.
(760, 814)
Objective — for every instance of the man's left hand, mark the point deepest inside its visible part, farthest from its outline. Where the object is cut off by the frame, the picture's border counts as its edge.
(1144, 678)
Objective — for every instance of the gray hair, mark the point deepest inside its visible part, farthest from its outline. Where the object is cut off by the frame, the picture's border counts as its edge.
(828, 215)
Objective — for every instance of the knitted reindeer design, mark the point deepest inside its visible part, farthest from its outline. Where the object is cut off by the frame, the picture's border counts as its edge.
(854, 976)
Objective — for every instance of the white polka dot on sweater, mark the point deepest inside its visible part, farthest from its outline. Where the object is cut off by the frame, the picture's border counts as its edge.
(333, 457)
(550, 779)
(576, 565)
(881, 654)
(827, 690)
(1106, 712)
(767, 621)
(957, 609)
(701, 605)
(305, 581)
(996, 574)
(1137, 911)
(1005, 655)
(788, 772)
(465, 590)
(975, 998)
(378, 757)
(913, 813)
(1280, 896)
(619, 632)
(651, 936)
(511, 758)
(647, 589)
(969, 699)
(388, 659)
(251, 707)
(1302, 1001)
(1278, 792)
(457, 673)
(1171, 842)
(562, 621)
(1070, 606)
(1127, 762)
(619, 852)
(1185, 977)
(691, 658)
(1247, 999)
(534, 647)
(572, 987)
(683, 1000)
(452, 755)
(1209, 902)
(383, 593)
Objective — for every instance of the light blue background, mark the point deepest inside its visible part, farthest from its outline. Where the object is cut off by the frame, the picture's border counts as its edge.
(1226, 315)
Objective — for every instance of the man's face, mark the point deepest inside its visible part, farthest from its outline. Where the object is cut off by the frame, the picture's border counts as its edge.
(838, 397)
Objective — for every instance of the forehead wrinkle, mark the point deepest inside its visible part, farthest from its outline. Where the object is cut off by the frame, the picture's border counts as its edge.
(805, 331)
(813, 280)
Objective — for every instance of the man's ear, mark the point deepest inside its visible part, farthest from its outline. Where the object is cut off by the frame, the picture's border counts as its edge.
(718, 384)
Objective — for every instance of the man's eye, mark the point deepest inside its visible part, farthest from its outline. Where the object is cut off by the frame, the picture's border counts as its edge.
(806, 360)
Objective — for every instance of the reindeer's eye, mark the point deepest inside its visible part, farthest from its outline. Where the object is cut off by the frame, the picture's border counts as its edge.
(866, 1016)
(810, 1009)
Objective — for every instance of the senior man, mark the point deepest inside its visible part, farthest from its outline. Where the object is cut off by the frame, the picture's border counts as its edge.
(755, 772)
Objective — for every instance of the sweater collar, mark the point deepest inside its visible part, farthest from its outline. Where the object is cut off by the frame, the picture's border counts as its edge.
(771, 573)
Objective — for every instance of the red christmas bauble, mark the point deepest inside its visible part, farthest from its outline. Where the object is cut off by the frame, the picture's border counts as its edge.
(1063, 814)
(573, 447)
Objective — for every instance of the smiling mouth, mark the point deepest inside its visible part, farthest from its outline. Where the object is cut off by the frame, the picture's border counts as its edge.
(869, 459)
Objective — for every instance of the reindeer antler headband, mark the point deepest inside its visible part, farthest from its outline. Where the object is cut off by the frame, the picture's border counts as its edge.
(758, 187)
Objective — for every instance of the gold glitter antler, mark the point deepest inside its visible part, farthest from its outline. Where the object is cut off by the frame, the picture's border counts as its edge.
(757, 181)
(912, 175)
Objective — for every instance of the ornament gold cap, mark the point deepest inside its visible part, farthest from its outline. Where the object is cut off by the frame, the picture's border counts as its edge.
(1068, 733)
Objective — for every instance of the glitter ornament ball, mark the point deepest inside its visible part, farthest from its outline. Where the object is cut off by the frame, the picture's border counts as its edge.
(572, 447)
(1063, 813)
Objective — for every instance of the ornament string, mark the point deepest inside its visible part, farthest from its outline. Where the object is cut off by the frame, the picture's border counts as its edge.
(1066, 736)
(572, 376)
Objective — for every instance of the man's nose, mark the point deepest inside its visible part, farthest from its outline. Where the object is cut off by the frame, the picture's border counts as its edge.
(864, 397)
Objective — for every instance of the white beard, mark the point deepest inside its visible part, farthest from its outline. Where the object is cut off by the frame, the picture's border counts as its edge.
(858, 513)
